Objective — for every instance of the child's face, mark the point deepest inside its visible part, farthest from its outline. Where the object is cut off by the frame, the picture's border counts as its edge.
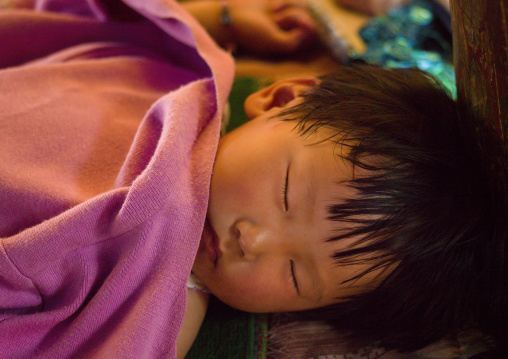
(266, 234)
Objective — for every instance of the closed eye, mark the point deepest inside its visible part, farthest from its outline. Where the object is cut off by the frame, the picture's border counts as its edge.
(293, 277)
(285, 191)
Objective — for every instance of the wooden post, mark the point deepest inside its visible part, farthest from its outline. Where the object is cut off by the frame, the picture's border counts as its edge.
(480, 44)
(480, 47)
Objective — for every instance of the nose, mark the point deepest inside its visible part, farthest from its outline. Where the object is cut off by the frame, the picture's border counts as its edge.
(252, 238)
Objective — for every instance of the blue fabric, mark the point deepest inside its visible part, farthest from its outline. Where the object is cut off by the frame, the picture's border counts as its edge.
(414, 35)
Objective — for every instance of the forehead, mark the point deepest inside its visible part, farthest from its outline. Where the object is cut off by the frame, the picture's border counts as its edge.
(322, 174)
(328, 176)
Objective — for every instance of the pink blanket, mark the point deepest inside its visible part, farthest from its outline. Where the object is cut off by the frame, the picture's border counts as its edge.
(108, 133)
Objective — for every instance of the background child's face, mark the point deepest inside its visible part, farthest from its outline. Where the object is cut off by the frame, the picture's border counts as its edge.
(266, 222)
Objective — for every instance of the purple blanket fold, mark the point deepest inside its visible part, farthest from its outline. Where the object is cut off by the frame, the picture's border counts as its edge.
(108, 133)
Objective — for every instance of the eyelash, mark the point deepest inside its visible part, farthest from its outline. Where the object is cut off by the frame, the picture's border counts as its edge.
(293, 277)
(285, 191)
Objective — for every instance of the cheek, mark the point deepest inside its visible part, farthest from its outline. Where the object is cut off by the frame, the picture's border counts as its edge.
(231, 187)
(238, 183)
(251, 292)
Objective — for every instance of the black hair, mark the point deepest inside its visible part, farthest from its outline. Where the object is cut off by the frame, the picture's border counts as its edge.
(433, 202)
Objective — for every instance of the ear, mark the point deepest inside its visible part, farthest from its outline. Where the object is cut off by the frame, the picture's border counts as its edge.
(280, 94)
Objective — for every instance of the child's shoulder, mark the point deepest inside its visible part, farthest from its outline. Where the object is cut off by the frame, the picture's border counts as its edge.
(197, 303)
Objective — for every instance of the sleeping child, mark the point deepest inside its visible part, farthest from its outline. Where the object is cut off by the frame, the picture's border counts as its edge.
(358, 198)
(364, 207)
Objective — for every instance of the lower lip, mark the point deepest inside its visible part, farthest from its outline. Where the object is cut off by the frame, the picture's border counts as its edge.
(210, 242)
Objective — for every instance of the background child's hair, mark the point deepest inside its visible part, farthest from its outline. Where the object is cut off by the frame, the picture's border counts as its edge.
(434, 202)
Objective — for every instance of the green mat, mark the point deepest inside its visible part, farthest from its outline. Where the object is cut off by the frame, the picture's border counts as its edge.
(229, 333)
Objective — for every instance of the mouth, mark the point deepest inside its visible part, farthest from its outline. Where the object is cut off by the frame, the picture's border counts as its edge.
(211, 243)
